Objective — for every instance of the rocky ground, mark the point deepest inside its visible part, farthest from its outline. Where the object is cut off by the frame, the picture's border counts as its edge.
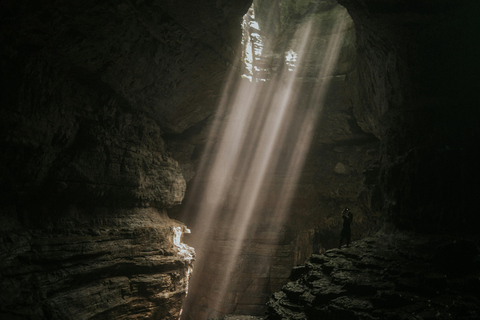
(388, 276)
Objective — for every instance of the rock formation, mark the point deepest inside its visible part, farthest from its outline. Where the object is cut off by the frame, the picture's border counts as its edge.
(104, 113)
(413, 88)
(92, 263)
(400, 276)
(88, 91)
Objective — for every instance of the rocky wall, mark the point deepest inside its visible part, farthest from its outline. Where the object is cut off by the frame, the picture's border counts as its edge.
(88, 91)
(414, 88)
(388, 276)
(92, 263)
(104, 112)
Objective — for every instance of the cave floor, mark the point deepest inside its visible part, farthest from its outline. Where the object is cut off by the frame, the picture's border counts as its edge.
(387, 276)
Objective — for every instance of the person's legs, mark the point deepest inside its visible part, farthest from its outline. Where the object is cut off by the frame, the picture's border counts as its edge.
(342, 235)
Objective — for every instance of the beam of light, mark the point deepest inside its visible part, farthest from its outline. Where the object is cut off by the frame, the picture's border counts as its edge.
(258, 129)
(307, 125)
(263, 156)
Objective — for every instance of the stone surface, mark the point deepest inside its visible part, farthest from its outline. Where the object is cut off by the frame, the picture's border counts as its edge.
(407, 90)
(91, 88)
(93, 263)
(105, 109)
(389, 276)
(413, 88)
(88, 92)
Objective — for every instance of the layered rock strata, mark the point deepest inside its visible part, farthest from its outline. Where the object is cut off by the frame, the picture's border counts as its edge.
(88, 91)
(93, 263)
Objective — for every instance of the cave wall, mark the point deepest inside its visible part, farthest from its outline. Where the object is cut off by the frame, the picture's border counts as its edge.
(105, 109)
(95, 263)
(415, 88)
(88, 92)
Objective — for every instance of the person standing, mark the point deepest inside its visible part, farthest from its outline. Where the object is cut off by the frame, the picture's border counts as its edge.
(346, 232)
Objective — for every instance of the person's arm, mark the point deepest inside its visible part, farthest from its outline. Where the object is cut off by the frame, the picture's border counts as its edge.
(345, 213)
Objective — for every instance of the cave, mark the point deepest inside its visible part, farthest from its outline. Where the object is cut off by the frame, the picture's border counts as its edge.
(192, 159)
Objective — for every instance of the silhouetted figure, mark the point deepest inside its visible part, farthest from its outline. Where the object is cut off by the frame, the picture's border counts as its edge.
(346, 233)
(317, 244)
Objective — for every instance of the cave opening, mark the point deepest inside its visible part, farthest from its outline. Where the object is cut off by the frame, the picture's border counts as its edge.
(252, 168)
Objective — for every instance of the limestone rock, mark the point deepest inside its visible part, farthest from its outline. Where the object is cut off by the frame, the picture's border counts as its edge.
(89, 95)
(389, 276)
(95, 264)
(88, 92)
(409, 89)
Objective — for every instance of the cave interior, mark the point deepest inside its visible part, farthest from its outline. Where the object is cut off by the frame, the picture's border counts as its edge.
(113, 115)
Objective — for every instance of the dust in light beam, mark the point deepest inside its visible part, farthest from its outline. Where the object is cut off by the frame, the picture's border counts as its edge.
(257, 130)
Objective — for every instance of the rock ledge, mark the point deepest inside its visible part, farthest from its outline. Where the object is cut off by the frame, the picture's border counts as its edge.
(385, 277)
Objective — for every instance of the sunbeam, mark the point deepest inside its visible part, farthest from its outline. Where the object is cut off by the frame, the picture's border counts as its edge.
(259, 129)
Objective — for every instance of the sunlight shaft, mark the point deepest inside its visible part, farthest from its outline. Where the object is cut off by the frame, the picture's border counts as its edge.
(259, 130)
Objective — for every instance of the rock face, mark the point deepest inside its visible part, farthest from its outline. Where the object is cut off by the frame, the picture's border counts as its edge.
(385, 277)
(88, 91)
(105, 109)
(83, 116)
(413, 88)
(93, 263)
